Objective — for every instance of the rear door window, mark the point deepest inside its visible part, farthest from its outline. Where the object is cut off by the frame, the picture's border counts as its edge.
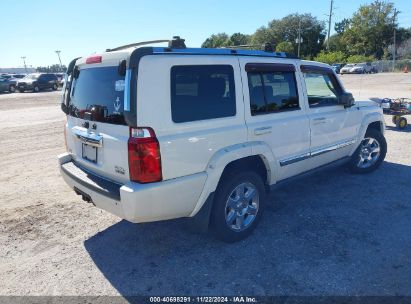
(272, 92)
(200, 92)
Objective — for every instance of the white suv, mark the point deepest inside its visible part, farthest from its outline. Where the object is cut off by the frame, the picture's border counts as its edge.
(156, 133)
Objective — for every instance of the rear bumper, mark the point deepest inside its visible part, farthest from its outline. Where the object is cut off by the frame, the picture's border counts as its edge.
(132, 201)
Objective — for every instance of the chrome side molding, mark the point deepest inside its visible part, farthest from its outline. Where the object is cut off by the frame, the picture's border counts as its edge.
(317, 152)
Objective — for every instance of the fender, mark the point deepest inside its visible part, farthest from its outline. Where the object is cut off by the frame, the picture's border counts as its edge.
(223, 157)
(366, 121)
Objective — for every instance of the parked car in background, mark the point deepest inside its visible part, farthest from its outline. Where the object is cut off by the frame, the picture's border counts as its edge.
(362, 68)
(347, 68)
(19, 76)
(337, 67)
(37, 81)
(7, 84)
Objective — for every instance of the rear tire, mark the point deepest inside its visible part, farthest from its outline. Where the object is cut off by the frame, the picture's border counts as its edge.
(369, 154)
(238, 206)
(12, 88)
(54, 88)
(401, 123)
(36, 89)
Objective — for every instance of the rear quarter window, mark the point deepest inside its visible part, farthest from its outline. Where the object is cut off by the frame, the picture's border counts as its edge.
(201, 92)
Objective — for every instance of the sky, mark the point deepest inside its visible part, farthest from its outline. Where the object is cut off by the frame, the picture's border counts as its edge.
(35, 29)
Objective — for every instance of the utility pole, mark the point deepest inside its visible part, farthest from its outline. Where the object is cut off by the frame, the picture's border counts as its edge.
(394, 53)
(329, 25)
(299, 38)
(58, 54)
(24, 61)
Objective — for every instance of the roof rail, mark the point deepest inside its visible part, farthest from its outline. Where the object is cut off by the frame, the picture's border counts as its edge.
(176, 43)
(266, 47)
(136, 44)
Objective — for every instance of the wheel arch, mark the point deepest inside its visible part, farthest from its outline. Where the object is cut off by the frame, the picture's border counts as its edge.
(256, 156)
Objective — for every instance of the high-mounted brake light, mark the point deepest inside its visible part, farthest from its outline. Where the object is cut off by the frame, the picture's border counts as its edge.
(144, 159)
(93, 59)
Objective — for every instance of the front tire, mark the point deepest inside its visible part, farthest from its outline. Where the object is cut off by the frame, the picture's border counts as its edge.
(238, 206)
(36, 89)
(12, 88)
(54, 88)
(369, 154)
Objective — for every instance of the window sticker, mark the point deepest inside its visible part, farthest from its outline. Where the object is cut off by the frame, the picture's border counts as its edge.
(119, 85)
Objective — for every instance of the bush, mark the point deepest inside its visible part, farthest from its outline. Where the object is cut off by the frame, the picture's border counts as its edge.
(330, 57)
(360, 58)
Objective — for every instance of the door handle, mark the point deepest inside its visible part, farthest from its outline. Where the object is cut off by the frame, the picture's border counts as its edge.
(262, 130)
(320, 120)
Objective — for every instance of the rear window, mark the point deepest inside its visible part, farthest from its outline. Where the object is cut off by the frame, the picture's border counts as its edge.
(200, 92)
(98, 95)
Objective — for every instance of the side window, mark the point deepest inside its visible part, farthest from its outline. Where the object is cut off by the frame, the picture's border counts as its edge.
(200, 92)
(272, 92)
(322, 88)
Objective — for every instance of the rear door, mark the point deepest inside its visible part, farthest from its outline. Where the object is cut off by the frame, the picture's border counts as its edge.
(97, 133)
(333, 127)
(275, 111)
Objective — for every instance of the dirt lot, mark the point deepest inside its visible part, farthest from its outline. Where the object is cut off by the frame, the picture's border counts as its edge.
(331, 234)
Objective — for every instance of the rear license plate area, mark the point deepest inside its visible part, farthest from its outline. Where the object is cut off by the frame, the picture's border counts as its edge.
(89, 153)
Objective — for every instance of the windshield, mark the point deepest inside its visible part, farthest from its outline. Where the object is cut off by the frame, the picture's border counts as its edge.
(98, 94)
(349, 65)
(360, 65)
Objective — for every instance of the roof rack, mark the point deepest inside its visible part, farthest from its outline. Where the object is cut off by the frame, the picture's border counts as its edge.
(266, 47)
(176, 43)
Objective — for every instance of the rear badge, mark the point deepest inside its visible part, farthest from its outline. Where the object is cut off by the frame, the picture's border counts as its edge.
(119, 170)
(117, 106)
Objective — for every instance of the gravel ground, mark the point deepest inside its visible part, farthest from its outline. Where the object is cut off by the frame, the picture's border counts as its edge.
(331, 234)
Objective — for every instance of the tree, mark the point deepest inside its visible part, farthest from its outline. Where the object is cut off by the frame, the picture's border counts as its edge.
(216, 40)
(370, 30)
(341, 26)
(285, 46)
(337, 44)
(330, 57)
(261, 36)
(55, 68)
(239, 39)
(286, 29)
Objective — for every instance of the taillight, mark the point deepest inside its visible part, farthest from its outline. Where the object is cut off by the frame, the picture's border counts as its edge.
(144, 160)
(93, 59)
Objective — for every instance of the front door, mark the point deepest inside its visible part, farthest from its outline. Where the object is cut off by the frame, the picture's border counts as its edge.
(333, 127)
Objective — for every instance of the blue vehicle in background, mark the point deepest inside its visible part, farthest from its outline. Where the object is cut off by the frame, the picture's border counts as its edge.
(7, 83)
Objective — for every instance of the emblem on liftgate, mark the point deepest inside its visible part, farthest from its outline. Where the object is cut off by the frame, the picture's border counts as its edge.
(119, 170)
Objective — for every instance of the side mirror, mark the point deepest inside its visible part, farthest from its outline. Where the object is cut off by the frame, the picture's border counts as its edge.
(346, 99)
